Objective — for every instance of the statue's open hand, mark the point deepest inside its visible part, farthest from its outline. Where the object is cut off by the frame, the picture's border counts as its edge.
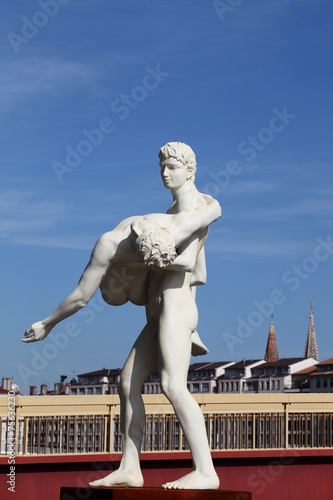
(37, 331)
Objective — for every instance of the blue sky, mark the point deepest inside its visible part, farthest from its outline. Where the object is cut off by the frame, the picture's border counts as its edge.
(90, 91)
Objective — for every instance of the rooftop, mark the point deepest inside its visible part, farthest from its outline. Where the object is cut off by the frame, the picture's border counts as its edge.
(211, 365)
(282, 362)
(244, 363)
(104, 372)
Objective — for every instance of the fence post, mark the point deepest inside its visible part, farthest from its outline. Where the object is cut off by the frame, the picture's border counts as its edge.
(286, 425)
(111, 429)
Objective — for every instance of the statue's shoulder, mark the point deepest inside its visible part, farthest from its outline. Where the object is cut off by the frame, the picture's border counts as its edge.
(191, 199)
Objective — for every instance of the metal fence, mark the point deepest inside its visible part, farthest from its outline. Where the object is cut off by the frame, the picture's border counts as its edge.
(91, 424)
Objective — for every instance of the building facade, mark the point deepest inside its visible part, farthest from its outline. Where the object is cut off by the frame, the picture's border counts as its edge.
(99, 382)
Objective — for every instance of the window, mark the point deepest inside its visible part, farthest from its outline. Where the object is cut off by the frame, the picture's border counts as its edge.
(205, 387)
(81, 390)
(195, 388)
(318, 384)
(90, 391)
(98, 390)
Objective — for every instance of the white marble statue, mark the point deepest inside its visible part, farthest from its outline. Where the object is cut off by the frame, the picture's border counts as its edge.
(165, 256)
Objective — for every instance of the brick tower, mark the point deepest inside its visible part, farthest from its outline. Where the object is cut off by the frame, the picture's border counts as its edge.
(311, 346)
(271, 354)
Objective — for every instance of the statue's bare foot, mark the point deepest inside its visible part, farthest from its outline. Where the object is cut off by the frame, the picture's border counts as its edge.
(194, 481)
(121, 479)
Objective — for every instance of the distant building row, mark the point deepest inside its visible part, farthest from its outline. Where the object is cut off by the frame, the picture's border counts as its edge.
(269, 375)
(247, 376)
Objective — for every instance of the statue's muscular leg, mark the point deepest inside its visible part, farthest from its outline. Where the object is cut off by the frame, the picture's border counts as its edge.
(175, 348)
(139, 364)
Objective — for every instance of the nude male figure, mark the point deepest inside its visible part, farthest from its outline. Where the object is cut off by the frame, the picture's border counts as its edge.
(164, 345)
(178, 167)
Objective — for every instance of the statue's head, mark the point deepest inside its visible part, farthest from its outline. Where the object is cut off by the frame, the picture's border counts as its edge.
(155, 245)
(182, 153)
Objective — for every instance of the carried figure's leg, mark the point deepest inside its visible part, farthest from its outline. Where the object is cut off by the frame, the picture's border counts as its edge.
(175, 350)
(139, 364)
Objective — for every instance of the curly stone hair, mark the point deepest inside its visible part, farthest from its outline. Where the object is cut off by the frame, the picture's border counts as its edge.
(181, 152)
(156, 247)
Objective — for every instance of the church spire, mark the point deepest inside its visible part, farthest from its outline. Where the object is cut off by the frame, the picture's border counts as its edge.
(311, 347)
(271, 354)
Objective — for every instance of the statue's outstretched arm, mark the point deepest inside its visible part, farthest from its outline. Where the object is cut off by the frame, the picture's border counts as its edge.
(80, 296)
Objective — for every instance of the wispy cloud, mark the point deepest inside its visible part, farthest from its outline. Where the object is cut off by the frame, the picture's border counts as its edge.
(286, 211)
(28, 217)
(235, 248)
(60, 242)
(20, 79)
(251, 187)
(310, 207)
(23, 211)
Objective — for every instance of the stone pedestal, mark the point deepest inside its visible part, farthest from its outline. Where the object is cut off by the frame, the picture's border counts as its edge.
(150, 494)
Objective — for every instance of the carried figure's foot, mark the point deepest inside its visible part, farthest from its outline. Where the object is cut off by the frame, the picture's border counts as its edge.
(121, 479)
(198, 347)
(194, 481)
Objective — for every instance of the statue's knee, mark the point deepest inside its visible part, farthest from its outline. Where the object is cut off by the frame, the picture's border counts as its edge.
(170, 388)
(124, 385)
(129, 386)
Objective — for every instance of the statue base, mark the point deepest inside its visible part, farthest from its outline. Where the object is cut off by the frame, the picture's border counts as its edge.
(150, 494)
